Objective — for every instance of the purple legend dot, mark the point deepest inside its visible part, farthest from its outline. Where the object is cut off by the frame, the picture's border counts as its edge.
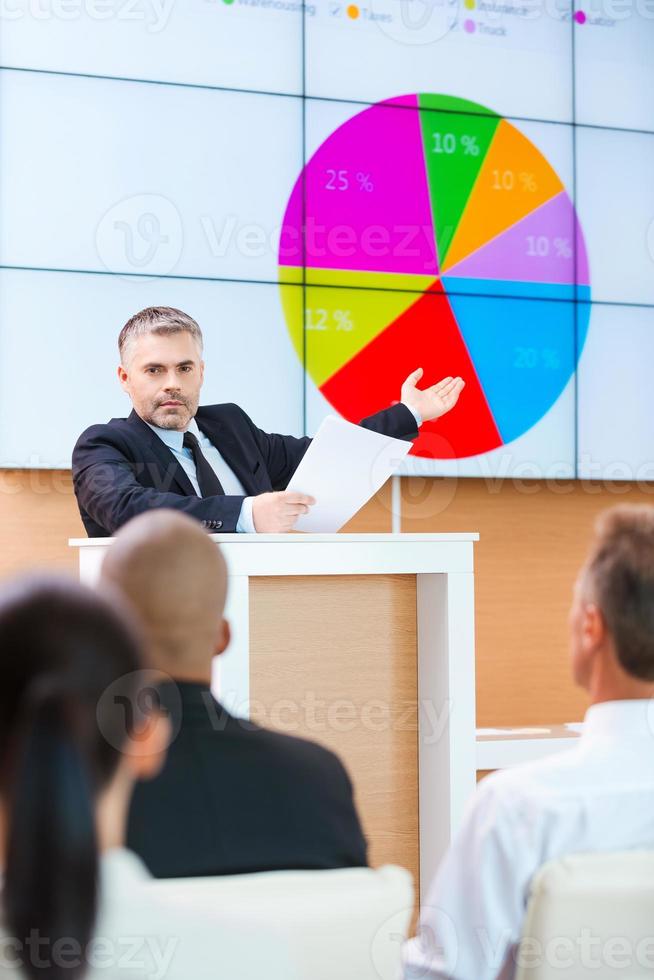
(469, 26)
(580, 17)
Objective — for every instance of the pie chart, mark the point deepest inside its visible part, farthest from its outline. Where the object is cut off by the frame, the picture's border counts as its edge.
(429, 231)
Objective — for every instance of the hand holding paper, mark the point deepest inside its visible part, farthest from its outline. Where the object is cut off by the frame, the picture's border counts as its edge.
(344, 466)
(277, 512)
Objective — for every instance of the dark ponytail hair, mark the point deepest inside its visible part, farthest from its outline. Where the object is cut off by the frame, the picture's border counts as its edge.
(62, 648)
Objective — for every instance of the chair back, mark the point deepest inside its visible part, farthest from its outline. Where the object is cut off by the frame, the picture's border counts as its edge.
(347, 924)
(590, 915)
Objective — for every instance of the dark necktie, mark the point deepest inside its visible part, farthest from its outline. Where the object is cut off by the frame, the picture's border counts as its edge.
(209, 483)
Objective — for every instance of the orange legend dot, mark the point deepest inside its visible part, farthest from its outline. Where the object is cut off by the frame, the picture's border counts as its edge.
(353, 11)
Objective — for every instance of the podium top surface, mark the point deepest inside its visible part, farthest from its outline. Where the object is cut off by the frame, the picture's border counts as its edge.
(298, 538)
(322, 554)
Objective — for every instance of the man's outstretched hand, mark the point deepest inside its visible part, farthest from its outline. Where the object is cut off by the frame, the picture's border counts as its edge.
(431, 403)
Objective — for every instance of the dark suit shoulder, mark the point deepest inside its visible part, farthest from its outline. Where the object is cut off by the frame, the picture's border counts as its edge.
(116, 433)
(225, 412)
(103, 432)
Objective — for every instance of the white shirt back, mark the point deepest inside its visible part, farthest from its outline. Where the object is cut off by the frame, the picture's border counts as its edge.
(597, 797)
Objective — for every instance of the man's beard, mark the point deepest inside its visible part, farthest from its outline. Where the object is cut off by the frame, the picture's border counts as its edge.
(175, 420)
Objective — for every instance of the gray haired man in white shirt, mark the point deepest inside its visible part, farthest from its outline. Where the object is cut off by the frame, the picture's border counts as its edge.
(597, 797)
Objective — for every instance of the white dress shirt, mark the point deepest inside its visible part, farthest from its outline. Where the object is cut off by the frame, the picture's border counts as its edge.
(599, 796)
(228, 478)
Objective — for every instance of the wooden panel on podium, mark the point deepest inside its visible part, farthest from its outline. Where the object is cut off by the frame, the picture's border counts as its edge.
(312, 674)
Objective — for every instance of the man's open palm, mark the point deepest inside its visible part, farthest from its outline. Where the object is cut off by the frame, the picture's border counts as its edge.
(431, 403)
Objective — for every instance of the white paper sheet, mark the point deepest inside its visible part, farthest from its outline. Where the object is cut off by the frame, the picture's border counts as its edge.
(343, 468)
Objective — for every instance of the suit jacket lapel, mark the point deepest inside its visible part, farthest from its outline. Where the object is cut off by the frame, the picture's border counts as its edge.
(231, 449)
(172, 471)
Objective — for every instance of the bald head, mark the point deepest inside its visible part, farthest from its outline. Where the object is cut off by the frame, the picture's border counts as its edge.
(176, 577)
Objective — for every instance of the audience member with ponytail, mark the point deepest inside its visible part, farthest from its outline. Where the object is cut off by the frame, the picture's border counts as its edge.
(79, 724)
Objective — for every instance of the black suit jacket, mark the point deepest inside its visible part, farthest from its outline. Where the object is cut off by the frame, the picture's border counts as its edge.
(122, 468)
(235, 798)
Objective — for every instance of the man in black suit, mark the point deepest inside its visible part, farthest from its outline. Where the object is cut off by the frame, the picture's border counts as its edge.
(232, 797)
(212, 463)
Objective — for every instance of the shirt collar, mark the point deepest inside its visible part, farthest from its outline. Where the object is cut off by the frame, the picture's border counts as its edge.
(172, 437)
(622, 719)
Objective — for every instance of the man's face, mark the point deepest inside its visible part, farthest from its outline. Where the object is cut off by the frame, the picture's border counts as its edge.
(163, 377)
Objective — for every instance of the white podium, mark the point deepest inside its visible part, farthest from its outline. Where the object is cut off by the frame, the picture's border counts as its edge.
(443, 566)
